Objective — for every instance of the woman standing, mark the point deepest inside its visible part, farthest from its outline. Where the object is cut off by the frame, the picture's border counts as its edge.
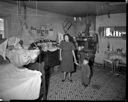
(66, 56)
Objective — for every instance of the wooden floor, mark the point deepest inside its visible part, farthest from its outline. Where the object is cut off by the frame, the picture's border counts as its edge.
(104, 86)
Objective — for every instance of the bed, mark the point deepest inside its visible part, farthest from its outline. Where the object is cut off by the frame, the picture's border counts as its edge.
(16, 81)
(19, 84)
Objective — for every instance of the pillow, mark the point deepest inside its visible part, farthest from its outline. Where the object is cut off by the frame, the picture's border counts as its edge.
(19, 57)
(33, 54)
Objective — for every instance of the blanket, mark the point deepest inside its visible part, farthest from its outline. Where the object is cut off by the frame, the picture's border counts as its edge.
(18, 83)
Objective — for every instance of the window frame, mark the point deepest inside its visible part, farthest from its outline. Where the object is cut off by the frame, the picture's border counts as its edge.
(103, 32)
(1, 17)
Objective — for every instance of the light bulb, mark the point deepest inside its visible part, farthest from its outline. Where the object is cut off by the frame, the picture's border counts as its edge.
(80, 18)
(74, 18)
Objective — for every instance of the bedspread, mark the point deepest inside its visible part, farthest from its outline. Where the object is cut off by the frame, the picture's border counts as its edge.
(19, 84)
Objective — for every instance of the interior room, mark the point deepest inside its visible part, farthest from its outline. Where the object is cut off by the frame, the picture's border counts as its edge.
(62, 50)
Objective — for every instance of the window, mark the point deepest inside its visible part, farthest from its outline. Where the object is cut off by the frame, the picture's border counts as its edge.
(116, 32)
(1, 28)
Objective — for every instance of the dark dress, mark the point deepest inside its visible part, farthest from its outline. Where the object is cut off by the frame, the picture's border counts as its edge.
(67, 64)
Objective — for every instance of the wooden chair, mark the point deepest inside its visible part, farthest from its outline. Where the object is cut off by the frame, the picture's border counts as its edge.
(116, 60)
(119, 65)
(107, 61)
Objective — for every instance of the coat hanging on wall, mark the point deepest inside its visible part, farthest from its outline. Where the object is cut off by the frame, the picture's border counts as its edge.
(26, 35)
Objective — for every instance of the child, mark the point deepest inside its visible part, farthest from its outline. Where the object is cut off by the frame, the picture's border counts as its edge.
(85, 73)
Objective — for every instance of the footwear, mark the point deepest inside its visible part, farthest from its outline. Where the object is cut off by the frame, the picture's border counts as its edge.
(63, 80)
(70, 80)
(84, 85)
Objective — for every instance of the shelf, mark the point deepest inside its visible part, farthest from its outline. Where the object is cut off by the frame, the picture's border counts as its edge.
(85, 37)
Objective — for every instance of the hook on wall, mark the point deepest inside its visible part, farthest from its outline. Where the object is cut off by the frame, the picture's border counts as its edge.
(108, 15)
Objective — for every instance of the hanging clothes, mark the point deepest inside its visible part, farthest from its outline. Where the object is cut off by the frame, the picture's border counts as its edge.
(26, 36)
(60, 37)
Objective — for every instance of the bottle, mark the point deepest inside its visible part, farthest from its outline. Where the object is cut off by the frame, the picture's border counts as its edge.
(108, 46)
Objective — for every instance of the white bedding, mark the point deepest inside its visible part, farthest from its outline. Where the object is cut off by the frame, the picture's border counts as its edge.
(19, 83)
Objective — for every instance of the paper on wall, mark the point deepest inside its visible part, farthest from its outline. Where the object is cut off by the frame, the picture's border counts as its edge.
(60, 37)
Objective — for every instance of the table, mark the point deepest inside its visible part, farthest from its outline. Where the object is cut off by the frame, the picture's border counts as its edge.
(114, 59)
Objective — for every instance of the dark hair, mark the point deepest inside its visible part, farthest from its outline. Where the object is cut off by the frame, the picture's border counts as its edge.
(21, 42)
(86, 58)
(69, 36)
(32, 46)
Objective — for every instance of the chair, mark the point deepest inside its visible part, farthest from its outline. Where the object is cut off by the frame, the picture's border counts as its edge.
(117, 61)
(108, 61)
(119, 64)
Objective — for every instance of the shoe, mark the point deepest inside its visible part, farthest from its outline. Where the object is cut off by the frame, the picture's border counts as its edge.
(70, 80)
(84, 85)
(63, 80)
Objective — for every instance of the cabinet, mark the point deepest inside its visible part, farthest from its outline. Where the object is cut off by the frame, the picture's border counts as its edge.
(88, 50)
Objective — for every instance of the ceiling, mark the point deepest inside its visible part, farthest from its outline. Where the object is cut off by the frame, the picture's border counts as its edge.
(76, 8)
